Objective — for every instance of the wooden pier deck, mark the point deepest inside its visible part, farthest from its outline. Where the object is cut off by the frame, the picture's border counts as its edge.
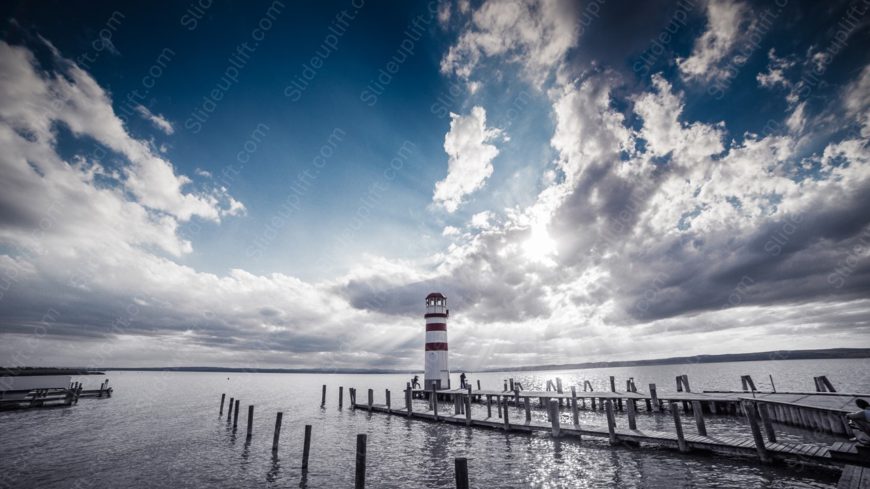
(818, 411)
(731, 445)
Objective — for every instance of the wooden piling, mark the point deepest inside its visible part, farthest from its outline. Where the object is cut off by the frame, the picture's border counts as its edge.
(434, 402)
(574, 414)
(306, 447)
(371, 399)
(236, 415)
(593, 402)
(559, 389)
(511, 384)
(230, 410)
(632, 422)
(554, 418)
(528, 404)
(340, 396)
(612, 384)
(764, 414)
(223, 397)
(611, 421)
(277, 434)
(250, 420)
(507, 424)
(408, 399)
(699, 418)
(387, 396)
(478, 385)
(468, 407)
(654, 397)
(678, 425)
(360, 477)
(488, 406)
(751, 416)
(461, 467)
(323, 397)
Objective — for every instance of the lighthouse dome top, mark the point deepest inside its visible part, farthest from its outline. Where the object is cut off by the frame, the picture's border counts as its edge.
(435, 295)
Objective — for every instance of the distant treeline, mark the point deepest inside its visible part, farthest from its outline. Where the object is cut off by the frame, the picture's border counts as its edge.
(832, 353)
(18, 371)
(731, 357)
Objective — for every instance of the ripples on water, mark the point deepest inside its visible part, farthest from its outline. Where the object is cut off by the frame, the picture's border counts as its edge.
(162, 430)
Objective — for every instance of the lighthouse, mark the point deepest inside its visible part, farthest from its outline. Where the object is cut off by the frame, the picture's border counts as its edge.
(436, 372)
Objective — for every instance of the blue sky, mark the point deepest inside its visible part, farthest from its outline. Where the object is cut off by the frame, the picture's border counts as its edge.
(282, 184)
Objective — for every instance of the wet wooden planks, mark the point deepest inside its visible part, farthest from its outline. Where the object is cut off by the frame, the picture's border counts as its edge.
(854, 477)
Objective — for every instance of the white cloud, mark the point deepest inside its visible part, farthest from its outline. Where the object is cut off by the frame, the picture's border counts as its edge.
(467, 144)
(776, 71)
(856, 100)
(534, 33)
(450, 231)
(158, 120)
(725, 19)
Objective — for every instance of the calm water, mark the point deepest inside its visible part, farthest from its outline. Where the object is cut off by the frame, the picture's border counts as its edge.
(162, 430)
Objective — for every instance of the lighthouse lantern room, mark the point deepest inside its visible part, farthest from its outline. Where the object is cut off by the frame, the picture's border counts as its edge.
(437, 373)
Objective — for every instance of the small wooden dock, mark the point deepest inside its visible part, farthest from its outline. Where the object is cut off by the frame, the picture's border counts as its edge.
(55, 397)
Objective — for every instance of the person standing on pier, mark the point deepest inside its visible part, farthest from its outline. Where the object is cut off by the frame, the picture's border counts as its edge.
(415, 382)
(462, 380)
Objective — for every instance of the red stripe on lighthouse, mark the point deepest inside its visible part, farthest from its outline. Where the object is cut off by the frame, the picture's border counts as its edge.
(436, 346)
(436, 327)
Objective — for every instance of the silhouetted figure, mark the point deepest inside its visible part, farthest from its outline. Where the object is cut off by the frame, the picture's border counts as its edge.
(860, 422)
(462, 380)
(415, 382)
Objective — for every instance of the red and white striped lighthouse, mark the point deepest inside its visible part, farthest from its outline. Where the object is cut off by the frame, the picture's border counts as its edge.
(436, 372)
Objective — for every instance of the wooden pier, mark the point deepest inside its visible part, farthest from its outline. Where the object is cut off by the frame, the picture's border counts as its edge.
(818, 411)
(740, 445)
(54, 397)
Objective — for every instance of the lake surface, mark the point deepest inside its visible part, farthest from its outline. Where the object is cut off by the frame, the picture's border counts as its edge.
(161, 429)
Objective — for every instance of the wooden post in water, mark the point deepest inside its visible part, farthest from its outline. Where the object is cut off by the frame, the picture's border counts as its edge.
(593, 402)
(478, 385)
(699, 418)
(772, 385)
(277, 434)
(611, 421)
(764, 414)
(230, 410)
(528, 405)
(371, 399)
(655, 398)
(559, 389)
(340, 396)
(223, 397)
(323, 397)
(306, 447)
(574, 414)
(511, 384)
(250, 420)
(749, 409)
(632, 422)
(507, 425)
(408, 398)
(678, 425)
(387, 396)
(461, 467)
(434, 402)
(612, 384)
(468, 407)
(236, 416)
(488, 406)
(360, 477)
(554, 418)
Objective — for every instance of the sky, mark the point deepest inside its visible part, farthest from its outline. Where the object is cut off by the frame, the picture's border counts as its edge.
(271, 184)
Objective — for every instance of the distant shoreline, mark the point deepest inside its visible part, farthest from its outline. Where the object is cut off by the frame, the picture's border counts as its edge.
(827, 354)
